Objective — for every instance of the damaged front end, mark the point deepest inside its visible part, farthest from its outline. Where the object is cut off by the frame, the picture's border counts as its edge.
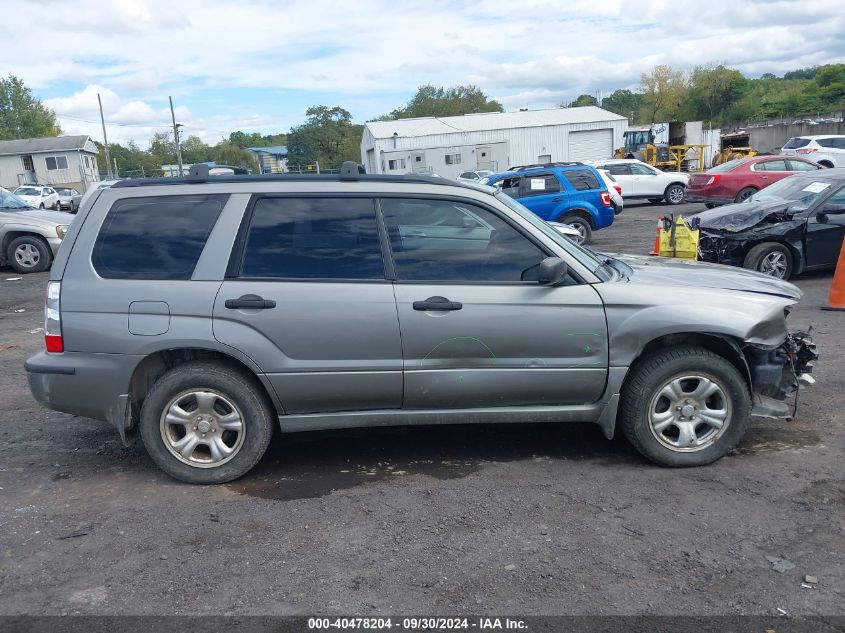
(726, 238)
(777, 374)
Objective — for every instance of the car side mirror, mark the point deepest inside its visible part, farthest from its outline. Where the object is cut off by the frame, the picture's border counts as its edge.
(553, 270)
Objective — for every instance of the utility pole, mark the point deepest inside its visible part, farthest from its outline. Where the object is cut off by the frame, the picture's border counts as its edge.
(105, 138)
(176, 137)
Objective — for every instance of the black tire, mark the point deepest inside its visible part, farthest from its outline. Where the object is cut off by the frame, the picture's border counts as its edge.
(642, 389)
(768, 257)
(42, 256)
(239, 388)
(41, 206)
(580, 223)
(674, 194)
(655, 200)
(57, 206)
(710, 205)
(744, 194)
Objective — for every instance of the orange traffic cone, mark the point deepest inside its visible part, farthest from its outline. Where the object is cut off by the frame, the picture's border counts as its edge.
(836, 296)
(656, 249)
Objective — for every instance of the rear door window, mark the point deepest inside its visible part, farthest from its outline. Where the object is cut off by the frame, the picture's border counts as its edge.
(539, 185)
(156, 237)
(581, 179)
(771, 165)
(313, 238)
(797, 165)
(619, 169)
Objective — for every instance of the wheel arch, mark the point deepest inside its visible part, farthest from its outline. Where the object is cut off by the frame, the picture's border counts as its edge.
(797, 254)
(580, 211)
(14, 234)
(826, 163)
(157, 363)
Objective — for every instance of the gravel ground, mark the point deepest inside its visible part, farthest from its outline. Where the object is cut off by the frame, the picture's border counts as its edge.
(508, 519)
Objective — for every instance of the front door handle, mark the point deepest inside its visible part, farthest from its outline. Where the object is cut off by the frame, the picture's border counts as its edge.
(250, 302)
(557, 199)
(437, 303)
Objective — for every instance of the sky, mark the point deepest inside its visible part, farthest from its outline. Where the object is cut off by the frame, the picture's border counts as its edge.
(256, 65)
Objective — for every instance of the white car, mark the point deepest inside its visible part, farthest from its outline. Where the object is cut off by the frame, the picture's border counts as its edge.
(826, 150)
(475, 176)
(639, 180)
(69, 199)
(614, 189)
(39, 197)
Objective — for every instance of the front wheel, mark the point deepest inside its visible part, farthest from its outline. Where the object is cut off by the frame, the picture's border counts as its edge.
(771, 259)
(580, 224)
(684, 406)
(29, 254)
(674, 194)
(206, 423)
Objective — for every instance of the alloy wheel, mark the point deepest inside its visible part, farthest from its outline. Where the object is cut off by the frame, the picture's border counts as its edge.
(773, 264)
(689, 413)
(27, 256)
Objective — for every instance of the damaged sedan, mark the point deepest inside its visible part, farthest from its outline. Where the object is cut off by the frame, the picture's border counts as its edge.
(793, 226)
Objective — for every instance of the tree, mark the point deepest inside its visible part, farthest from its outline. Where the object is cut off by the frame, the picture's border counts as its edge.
(254, 139)
(663, 91)
(713, 88)
(582, 100)
(624, 102)
(21, 114)
(195, 151)
(328, 137)
(431, 100)
(226, 153)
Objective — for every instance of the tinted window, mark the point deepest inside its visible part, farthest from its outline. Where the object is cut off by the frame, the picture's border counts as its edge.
(771, 165)
(617, 169)
(509, 186)
(581, 179)
(797, 165)
(539, 184)
(641, 170)
(796, 142)
(155, 238)
(428, 246)
(313, 238)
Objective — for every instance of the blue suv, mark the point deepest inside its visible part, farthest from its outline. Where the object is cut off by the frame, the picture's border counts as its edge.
(569, 193)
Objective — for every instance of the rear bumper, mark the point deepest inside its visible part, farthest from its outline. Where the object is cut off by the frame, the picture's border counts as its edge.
(89, 385)
(696, 197)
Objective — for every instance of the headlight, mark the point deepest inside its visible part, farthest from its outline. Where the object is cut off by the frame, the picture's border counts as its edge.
(61, 229)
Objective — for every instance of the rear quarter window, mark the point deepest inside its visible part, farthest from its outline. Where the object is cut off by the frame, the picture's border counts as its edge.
(796, 142)
(156, 237)
(581, 179)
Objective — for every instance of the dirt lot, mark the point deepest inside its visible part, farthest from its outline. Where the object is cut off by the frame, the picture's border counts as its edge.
(510, 519)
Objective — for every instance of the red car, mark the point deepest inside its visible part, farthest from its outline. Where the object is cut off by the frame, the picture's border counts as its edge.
(739, 179)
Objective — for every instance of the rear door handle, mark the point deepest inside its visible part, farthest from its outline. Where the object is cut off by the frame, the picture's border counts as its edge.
(250, 302)
(437, 303)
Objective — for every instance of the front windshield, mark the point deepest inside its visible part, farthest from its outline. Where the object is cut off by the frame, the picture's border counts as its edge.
(584, 256)
(802, 192)
(27, 191)
(11, 201)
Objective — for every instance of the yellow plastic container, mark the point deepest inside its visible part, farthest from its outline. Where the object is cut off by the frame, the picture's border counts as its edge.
(685, 244)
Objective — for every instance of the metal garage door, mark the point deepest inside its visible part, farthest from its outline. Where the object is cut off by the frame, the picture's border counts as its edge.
(591, 145)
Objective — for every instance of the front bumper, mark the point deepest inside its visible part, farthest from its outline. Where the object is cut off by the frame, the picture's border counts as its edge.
(777, 375)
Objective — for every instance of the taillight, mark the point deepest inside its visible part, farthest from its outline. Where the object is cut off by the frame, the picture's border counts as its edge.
(712, 181)
(605, 198)
(618, 189)
(53, 319)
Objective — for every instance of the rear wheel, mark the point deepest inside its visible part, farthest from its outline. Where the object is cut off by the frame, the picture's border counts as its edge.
(29, 254)
(206, 423)
(684, 406)
(674, 194)
(710, 205)
(580, 224)
(771, 259)
(745, 194)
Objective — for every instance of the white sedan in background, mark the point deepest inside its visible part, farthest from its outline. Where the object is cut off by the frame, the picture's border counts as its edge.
(39, 197)
(639, 180)
(474, 176)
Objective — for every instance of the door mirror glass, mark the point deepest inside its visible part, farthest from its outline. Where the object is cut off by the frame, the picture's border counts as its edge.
(553, 271)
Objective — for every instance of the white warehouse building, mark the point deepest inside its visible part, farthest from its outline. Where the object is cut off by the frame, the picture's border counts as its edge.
(493, 140)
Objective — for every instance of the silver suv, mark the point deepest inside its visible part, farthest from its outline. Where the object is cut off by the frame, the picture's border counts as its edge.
(204, 312)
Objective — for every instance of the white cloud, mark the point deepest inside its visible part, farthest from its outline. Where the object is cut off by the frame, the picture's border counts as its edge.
(534, 53)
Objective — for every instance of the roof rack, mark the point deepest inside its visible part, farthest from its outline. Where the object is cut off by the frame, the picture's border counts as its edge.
(557, 164)
(350, 171)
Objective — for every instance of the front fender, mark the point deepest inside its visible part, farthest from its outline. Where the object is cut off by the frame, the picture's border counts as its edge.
(747, 318)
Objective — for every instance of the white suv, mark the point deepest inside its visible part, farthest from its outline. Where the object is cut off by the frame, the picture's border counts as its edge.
(639, 180)
(826, 150)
